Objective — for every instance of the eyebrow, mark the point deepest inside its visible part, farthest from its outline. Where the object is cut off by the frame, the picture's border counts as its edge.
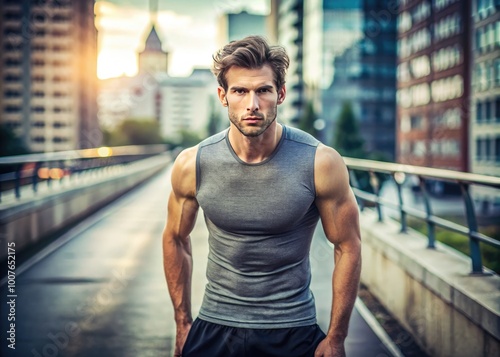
(266, 86)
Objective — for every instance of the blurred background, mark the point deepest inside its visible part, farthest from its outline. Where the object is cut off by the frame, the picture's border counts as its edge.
(413, 82)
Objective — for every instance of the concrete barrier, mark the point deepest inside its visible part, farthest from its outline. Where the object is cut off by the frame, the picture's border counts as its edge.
(430, 291)
(28, 221)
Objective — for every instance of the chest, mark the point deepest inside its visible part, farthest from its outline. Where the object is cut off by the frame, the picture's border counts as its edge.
(258, 199)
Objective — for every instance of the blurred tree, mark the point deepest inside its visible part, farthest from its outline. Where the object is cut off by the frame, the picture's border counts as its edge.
(189, 138)
(348, 141)
(134, 132)
(11, 143)
(214, 120)
(307, 120)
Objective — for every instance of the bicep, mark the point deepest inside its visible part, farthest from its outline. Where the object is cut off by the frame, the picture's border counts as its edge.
(181, 216)
(335, 199)
(182, 204)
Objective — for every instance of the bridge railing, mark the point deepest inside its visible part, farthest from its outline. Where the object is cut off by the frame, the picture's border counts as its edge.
(22, 170)
(376, 171)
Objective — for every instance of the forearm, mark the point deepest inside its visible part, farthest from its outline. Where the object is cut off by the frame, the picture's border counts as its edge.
(177, 261)
(345, 283)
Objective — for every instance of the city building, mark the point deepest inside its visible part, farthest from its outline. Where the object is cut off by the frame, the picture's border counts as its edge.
(484, 125)
(434, 83)
(235, 26)
(136, 98)
(48, 75)
(153, 59)
(188, 103)
(364, 74)
(349, 54)
(290, 15)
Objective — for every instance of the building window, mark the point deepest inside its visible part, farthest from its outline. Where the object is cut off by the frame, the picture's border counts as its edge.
(10, 93)
(491, 35)
(497, 36)
(419, 148)
(14, 16)
(59, 124)
(497, 72)
(38, 124)
(60, 18)
(12, 62)
(487, 149)
(481, 78)
(479, 149)
(38, 109)
(38, 139)
(497, 149)
(39, 94)
(38, 78)
(13, 124)
(38, 62)
(479, 112)
(487, 116)
(497, 109)
(12, 78)
(39, 48)
(450, 147)
(416, 122)
(447, 27)
(12, 109)
(484, 7)
(58, 139)
(446, 58)
(450, 119)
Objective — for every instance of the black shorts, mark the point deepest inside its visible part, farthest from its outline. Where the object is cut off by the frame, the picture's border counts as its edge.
(213, 340)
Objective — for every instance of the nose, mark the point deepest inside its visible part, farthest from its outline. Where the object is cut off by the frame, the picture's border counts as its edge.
(253, 102)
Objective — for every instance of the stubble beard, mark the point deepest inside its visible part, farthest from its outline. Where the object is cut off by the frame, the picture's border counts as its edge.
(257, 130)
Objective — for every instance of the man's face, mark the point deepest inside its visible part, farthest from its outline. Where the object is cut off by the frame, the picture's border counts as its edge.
(251, 98)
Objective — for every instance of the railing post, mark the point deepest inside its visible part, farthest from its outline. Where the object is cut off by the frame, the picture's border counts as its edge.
(18, 181)
(399, 178)
(375, 183)
(34, 178)
(475, 249)
(355, 183)
(431, 228)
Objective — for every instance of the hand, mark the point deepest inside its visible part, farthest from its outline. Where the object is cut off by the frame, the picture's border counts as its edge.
(180, 338)
(330, 348)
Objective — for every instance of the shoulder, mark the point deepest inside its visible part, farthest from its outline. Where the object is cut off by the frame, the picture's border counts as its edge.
(330, 171)
(214, 139)
(327, 158)
(300, 136)
(184, 172)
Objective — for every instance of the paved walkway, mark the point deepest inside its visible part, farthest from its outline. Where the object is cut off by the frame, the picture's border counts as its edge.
(100, 290)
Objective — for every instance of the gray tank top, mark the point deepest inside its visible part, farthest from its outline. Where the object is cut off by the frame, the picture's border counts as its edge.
(261, 219)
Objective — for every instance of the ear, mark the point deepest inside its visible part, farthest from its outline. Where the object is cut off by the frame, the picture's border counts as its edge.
(221, 93)
(281, 95)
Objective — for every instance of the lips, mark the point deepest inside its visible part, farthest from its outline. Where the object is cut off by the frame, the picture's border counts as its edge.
(253, 119)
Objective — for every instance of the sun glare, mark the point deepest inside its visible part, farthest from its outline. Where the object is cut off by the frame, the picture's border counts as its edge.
(114, 64)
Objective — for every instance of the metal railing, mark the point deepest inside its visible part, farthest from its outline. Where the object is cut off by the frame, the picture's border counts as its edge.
(399, 173)
(23, 170)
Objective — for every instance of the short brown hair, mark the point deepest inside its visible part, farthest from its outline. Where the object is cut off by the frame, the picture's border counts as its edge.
(252, 52)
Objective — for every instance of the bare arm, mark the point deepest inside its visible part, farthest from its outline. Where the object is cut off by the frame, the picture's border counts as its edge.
(177, 257)
(339, 215)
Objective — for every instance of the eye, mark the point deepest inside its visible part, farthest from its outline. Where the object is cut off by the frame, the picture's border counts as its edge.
(264, 90)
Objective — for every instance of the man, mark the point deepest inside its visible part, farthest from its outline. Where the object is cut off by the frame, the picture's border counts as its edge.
(263, 187)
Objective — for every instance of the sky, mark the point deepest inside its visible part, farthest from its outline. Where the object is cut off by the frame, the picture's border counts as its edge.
(187, 28)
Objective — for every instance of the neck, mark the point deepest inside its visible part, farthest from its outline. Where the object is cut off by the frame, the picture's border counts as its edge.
(256, 149)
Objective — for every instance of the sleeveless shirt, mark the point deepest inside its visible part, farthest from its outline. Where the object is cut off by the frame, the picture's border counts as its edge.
(260, 218)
